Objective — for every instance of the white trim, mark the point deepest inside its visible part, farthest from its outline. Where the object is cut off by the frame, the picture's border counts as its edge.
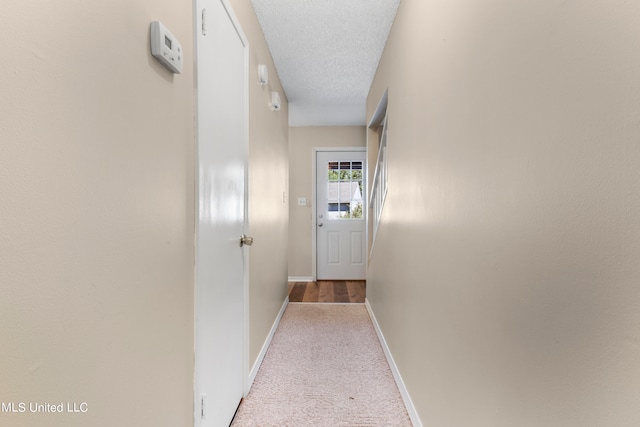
(265, 347)
(236, 22)
(300, 279)
(411, 409)
(377, 201)
(381, 110)
(314, 213)
(314, 204)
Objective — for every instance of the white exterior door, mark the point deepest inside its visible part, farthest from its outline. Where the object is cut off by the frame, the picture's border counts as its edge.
(340, 215)
(220, 270)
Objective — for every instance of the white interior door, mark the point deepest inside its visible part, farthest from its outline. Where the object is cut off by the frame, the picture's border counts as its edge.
(220, 269)
(340, 215)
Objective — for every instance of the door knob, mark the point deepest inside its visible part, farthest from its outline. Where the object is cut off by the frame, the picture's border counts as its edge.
(320, 225)
(246, 240)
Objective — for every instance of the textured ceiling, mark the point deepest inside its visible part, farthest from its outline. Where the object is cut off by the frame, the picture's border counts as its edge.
(326, 53)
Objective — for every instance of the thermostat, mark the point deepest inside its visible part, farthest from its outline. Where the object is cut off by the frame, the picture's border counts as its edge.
(165, 47)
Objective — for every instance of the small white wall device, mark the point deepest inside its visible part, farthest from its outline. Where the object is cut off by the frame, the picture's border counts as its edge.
(275, 101)
(263, 73)
(166, 48)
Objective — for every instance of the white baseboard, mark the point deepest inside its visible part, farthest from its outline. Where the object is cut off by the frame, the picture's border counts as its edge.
(411, 409)
(265, 347)
(300, 279)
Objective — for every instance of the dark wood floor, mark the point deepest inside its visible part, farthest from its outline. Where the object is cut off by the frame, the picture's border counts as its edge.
(350, 291)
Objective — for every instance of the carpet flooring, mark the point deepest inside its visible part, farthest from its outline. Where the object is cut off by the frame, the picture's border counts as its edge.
(324, 367)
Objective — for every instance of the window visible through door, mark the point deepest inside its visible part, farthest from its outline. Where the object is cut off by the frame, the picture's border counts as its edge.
(344, 190)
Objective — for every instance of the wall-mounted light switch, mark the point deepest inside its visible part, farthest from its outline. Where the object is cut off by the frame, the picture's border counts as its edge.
(302, 201)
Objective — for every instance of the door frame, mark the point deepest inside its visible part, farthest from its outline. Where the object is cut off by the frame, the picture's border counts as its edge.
(314, 214)
(245, 141)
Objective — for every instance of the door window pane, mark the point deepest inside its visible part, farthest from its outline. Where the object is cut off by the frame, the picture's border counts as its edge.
(345, 190)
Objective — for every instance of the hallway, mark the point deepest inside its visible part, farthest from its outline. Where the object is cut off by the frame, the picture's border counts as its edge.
(325, 367)
(503, 244)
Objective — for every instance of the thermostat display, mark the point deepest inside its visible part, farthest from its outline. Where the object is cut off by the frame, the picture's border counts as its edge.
(166, 48)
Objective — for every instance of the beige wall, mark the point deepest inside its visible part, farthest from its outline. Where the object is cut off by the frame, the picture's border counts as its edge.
(505, 273)
(268, 187)
(97, 214)
(302, 141)
(97, 211)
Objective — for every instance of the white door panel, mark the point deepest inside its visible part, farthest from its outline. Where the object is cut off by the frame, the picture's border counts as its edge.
(340, 210)
(221, 94)
(333, 247)
(357, 247)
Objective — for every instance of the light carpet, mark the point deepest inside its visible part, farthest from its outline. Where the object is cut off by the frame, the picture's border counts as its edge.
(324, 367)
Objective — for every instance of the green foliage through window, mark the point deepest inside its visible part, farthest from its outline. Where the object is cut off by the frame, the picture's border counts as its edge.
(345, 190)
